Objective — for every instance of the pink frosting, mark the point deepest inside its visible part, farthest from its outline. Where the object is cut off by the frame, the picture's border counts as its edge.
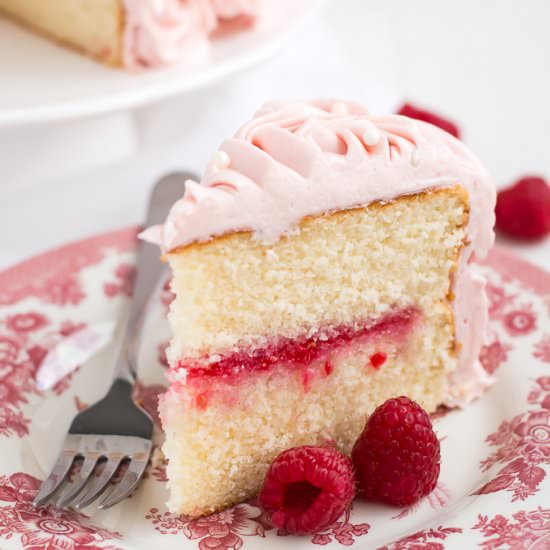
(229, 9)
(163, 32)
(296, 159)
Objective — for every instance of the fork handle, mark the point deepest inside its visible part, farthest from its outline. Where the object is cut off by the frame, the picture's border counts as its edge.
(149, 269)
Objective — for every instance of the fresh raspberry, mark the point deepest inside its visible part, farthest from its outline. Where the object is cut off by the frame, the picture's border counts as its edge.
(308, 488)
(396, 458)
(378, 359)
(420, 114)
(523, 210)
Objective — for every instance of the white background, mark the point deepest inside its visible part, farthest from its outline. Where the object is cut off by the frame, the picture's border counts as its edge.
(484, 63)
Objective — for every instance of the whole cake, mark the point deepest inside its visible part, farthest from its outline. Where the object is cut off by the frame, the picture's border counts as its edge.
(135, 33)
(324, 265)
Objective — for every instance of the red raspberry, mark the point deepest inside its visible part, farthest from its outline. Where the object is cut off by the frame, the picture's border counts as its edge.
(523, 210)
(420, 114)
(396, 458)
(308, 488)
(378, 359)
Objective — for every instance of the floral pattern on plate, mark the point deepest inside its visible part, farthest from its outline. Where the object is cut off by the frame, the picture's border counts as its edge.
(45, 528)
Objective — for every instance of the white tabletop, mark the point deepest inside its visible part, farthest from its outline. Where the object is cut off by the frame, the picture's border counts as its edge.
(482, 64)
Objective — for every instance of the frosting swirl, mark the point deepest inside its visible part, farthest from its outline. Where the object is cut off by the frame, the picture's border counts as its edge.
(297, 159)
(161, 32)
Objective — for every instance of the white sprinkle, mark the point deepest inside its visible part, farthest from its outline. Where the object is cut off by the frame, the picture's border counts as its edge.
(220, 159)
(371, 135)
(415, 161)
(339, 109)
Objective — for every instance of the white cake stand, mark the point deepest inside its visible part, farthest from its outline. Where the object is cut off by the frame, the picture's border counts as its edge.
(43, 82)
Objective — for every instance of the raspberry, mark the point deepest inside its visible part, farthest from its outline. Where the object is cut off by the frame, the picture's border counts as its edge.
(523, 210)
(420, 114)
(308, 488)
(396, 458)
(378, 359)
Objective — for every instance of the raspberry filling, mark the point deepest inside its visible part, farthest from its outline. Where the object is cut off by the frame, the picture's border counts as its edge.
(301, 352)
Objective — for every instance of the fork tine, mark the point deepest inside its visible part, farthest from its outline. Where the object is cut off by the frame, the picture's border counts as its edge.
(72, 490)
(56, 477)
(98, 484)
(126, 485)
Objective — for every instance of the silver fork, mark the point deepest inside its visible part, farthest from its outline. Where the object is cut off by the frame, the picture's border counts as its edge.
(115, 429)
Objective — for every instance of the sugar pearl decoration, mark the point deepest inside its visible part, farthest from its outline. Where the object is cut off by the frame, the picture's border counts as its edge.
(339, 109)
(371, 135)
(221, 160)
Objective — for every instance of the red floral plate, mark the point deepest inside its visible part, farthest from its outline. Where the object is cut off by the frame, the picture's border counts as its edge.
(494, 488)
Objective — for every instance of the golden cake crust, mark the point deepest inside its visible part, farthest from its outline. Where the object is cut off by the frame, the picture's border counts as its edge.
(92, 27)
(456, 191)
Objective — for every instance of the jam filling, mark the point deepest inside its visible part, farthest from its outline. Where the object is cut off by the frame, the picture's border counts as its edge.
(300, 352)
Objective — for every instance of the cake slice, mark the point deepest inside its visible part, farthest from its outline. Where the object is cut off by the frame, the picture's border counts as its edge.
(323, 266)
(133, 33)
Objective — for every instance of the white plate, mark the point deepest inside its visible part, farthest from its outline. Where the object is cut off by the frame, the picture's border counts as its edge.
(494, 485)
(42, 82)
